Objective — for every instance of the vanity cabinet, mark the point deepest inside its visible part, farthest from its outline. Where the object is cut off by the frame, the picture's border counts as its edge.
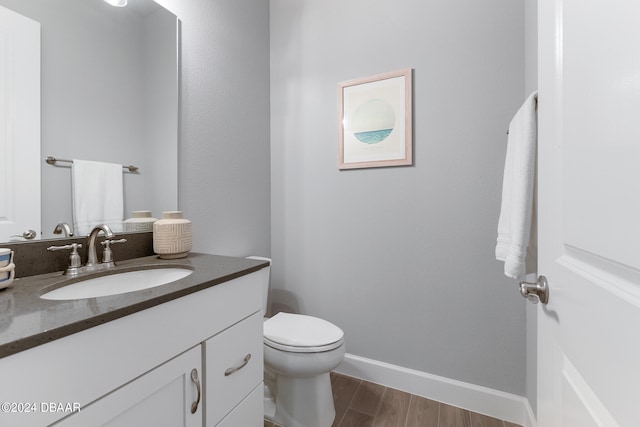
(231, 391)
(136, 370)
(162, 397)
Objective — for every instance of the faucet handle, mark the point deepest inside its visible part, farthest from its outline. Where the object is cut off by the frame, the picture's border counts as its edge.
(74, 258)
(107, 242)
(107, 254)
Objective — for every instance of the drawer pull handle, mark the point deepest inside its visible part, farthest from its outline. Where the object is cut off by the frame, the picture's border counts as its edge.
(196, 381)
(237, 368)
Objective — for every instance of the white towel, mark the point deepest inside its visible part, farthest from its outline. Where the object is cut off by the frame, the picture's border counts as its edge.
(515, 243)
(97, 195)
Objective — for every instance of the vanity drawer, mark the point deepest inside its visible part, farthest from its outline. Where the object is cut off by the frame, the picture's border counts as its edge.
(248, 413)
(234, 366)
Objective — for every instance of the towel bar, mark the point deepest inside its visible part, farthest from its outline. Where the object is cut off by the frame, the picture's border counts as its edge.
(52, 161)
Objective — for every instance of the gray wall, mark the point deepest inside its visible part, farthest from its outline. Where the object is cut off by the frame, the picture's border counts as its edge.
(224, 137)
(401, 258)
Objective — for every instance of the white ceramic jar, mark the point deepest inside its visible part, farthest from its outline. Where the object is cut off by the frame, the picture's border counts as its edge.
(140, 222)
(172, 235)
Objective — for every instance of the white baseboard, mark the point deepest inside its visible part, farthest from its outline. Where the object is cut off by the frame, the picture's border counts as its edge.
(529, 417)
(483, 400)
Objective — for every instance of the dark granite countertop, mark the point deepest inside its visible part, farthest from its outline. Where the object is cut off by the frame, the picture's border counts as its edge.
(26, 320)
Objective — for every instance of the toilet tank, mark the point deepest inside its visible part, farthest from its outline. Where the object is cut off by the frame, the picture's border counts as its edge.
(265, 277)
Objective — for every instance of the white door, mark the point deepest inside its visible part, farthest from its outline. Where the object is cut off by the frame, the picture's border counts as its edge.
(19, 125)
(589, 213)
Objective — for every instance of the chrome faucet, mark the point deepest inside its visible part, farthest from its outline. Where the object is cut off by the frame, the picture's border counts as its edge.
(63, 226)
(92, 255)
(75, 268)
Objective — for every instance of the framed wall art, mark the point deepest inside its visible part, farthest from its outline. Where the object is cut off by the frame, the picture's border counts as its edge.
(374, 121)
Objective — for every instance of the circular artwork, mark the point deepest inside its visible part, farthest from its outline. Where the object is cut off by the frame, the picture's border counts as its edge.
(373, 121)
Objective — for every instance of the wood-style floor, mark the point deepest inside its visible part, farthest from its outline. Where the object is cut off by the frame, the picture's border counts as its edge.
(363, 404)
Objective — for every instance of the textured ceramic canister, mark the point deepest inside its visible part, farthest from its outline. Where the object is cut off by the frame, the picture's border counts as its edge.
(172, 236)
(139, 222)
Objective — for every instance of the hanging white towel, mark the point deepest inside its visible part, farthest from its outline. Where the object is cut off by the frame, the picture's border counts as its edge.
(97, 195)
(516, 226)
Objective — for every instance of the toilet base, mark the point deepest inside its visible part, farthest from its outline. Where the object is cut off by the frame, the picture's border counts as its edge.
(300, 402)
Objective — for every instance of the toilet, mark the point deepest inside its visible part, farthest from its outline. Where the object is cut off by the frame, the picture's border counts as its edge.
(299, 353)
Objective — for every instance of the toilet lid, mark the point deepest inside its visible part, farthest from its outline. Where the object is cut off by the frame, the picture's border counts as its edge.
(301, 331)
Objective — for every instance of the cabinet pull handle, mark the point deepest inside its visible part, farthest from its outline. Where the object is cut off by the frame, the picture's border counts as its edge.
(196, 381)
(237, 368)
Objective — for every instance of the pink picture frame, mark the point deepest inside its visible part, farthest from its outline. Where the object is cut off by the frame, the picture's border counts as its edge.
(375, 121)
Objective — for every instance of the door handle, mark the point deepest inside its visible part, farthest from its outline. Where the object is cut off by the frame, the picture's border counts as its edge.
(537, 291)
(28, 234)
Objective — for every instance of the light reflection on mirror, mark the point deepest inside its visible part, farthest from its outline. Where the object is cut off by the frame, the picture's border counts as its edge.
(109, 93)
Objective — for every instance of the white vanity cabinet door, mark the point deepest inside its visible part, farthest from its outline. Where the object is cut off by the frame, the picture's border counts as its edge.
(248, 412)
(228, 353)
(161, 397)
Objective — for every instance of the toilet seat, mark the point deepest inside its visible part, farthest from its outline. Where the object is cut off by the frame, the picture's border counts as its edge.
(298, 333)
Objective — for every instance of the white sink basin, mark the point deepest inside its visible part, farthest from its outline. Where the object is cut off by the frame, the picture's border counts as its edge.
(119, 283)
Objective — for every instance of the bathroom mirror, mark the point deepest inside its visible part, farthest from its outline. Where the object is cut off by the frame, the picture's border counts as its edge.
(109, 92)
